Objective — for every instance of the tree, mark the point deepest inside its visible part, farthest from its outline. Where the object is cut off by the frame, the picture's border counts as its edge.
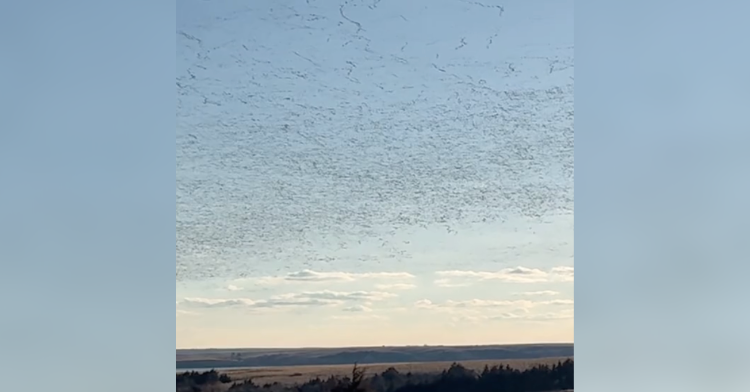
(353, 384)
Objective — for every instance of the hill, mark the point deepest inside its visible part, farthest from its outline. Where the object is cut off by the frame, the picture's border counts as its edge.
(233, 358)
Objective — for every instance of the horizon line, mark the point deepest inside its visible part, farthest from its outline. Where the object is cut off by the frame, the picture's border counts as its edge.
(371, 346)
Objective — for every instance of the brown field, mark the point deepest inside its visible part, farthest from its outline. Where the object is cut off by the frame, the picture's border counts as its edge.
(300, 374)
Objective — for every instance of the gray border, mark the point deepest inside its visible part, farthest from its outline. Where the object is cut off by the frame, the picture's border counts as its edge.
(87, 166)
(661, 195)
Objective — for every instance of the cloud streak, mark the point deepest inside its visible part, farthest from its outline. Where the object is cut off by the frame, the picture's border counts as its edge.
(303, 299)
(357, 308)
(449, 283)
(479, 310)
(345, 296)
(310, 276)
(514, 316)
(209, 303)
(509, 275)
(538, 293)
(485, 304)
(395, 286)
(360, 317)
(559, 315)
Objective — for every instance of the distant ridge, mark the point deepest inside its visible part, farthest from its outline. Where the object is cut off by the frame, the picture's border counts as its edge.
(248, 357)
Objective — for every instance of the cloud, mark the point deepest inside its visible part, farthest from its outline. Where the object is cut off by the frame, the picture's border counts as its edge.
(558, 302)
(483, 304)
(357, 308)
(232, 287)
(561, 315)
(564, 273)
(360, 317)
(510, 316)
(483, 318)
(395, 286)
(255, 304)
(309, 298)
(518, 274)
(538, 293)
(449, 283)
(346, 296)
(217, 303)
(510, 275)
(315, 276)
(478, 310)
(424, 304)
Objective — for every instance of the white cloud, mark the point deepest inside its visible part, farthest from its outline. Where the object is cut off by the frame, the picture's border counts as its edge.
(483, 318)
(360, 317)
(256, 304)
(560, 315)
(563, 273)
(232, 287)
(477, 310)
(309, 298)
(311, 276)
(217, 303)
(346, 296)
(518, 274)
(357, 308)
(563, 314)
(481, 303)
(538, 293)
(449, 283)
(506, 316)
(395, 286)
(558, 302)
(511, 275)
(484, 305)
(510, 316)
(424, 304)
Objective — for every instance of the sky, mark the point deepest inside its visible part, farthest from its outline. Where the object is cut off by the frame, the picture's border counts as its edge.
(374, 173)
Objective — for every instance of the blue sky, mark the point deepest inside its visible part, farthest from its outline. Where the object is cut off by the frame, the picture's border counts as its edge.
(374, 173)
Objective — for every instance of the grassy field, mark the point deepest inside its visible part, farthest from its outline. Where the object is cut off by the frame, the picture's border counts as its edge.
(300, 374)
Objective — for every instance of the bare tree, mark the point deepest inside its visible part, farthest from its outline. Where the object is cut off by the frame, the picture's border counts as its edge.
(354, 384)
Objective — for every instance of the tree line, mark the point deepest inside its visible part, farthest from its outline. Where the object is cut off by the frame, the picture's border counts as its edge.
(457, 378)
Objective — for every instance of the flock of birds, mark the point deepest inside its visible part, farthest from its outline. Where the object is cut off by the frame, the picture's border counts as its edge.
(306, 129)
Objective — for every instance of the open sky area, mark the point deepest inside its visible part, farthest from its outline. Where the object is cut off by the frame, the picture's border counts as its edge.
(379, 172)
